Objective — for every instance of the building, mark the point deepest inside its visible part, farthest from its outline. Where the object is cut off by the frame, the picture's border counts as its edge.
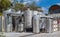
(54, 11)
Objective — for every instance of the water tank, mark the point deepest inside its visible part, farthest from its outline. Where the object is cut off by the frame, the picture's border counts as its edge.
(28, 18)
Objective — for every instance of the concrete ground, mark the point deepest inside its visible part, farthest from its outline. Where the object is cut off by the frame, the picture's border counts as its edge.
(14, 34)
(55, 34)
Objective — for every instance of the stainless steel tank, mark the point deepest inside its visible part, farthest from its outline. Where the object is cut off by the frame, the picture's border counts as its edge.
(28, 18)
(20, 27)
(36, 24)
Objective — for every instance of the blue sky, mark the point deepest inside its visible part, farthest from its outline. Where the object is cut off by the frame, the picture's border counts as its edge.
(45, 4)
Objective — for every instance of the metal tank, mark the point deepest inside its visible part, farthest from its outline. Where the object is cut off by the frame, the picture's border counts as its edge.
(36, 24)
(28, 18)
(20, 27)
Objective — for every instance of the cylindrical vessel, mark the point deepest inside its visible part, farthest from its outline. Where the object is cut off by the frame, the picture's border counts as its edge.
(9, 28)
(28, 18)
(36, 24)
(50, 25)
(20, 27)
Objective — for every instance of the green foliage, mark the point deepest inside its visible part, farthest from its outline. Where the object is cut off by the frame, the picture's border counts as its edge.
(1, 14)
(34, 7)
(4, 5)
(19, 6)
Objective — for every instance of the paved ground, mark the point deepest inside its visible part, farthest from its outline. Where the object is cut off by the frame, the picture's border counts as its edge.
(55, 34)
(13, 34)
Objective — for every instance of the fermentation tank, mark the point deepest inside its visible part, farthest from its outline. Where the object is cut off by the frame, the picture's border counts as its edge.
(36, 24)
(28, 18)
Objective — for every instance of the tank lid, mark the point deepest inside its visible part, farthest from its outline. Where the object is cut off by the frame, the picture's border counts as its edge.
(36, 17)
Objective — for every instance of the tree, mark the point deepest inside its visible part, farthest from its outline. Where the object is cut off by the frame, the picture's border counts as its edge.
(4, 5)
(34, 7)
(19, 6)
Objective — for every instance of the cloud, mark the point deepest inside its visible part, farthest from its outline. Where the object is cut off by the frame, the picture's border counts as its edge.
(45, 10)
(30, 1)
(36, 0)
(12, 0)
(58, 3)
(25, 2)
